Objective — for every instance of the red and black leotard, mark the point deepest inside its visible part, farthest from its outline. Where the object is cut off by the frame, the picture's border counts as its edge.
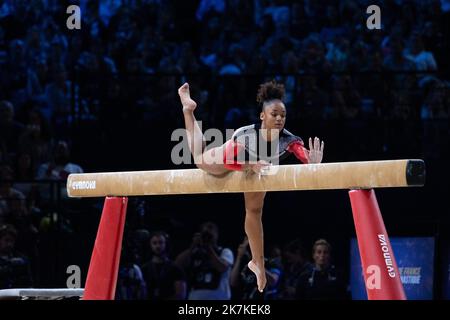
(247, 144)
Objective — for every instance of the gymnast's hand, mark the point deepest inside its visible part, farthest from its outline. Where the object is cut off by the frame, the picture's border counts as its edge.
(315, 153)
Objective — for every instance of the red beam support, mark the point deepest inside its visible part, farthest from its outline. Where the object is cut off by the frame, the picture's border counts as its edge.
(104, 266)
(380, 270)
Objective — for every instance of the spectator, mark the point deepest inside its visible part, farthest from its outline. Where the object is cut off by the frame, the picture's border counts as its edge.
(434, 105)
(243, 280)
(58, 94)
(280, 13)
(164, 279)
(423, 59)
(10, 130)
(36, 138)
(295, 265)
(24, 175)
(15, 72)
(322, 282)
(14, 267)
(21, 217)
(7, 193)
(346, 99)
(60, 167)
(398, 62)
(207, 6)
(130, 281)
(57, 169)
(207, 265)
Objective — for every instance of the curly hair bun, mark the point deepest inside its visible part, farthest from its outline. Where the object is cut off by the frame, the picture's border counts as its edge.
(270, 91)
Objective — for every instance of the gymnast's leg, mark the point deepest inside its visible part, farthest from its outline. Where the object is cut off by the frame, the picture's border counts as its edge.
(203, 159)
(254, 202)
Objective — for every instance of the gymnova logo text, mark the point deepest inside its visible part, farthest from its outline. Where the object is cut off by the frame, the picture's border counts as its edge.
(83, 185)
(386, 255)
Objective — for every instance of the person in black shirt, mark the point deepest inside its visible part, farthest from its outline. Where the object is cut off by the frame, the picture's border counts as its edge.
(165, 280)
(207, 265)
(322, 282)
(15, 271)
(295, 264)
(243, 280)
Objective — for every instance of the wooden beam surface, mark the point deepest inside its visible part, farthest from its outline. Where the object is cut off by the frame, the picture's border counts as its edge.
(342, 175)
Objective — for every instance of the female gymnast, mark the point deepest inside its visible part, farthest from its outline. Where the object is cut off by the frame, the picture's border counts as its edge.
(247, 140)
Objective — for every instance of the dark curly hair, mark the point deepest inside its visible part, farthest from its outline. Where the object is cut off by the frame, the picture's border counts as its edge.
(270, 91)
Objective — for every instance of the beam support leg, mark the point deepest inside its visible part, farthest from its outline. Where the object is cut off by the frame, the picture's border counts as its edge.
(104, 266)
(380, 270)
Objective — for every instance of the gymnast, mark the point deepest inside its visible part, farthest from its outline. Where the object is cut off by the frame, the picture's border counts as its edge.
(271, 131)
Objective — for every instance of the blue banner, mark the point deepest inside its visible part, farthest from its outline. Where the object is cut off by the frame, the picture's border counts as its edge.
(415, 260)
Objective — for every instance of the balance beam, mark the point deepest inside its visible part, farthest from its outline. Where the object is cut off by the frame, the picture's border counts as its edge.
(342, 175)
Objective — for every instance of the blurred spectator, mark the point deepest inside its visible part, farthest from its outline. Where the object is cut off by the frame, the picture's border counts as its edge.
(14, 267)
(24, 175)
(36, 46)
(8, 195)
(208, 6)
(322, 282)
(280, 13)
(346, 99)
(338, 54)
(36, 138)
(57, 169)
(60, 167)
(295, 265)
(314, 100)
(235, 118)
(10, 130)
(165, 280)
(243, 280)
(15, 73)
(107, 9)
(23, 219)
(207, 265)
(312, 58)
(435, 112)
(58, 94)
(130, 281)
(398, 62)
(435, 104)
(416, 52)
(233, 63)
(37, 80)
(290, 65)
(15, 210)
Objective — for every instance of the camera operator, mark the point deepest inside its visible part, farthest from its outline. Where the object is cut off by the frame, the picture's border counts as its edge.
(207, 265)
(243, 280)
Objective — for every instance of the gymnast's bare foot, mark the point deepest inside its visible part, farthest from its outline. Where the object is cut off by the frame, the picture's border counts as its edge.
(260, 275)
(189, 105)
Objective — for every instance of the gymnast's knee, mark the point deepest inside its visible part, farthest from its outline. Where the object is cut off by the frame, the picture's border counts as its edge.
(254, 210)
